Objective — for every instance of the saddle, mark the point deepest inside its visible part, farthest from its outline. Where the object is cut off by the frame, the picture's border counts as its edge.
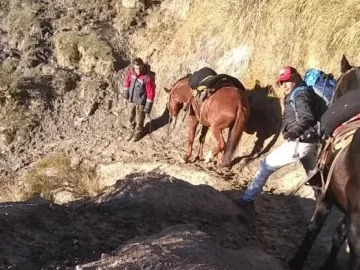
(211, 84)
(334, 145)
(329, 152)
(340, 138)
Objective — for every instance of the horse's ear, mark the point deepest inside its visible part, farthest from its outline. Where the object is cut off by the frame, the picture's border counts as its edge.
(167, 90)
(345, 65)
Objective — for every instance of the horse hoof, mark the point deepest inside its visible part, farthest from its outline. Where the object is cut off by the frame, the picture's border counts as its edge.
(185, 160)
(209, 158)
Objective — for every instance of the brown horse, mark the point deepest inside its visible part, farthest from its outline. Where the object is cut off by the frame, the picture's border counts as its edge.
(180, 97)
(228, 107)
(343, 190)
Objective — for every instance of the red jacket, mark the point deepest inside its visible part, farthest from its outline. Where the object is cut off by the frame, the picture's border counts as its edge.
(149, 85)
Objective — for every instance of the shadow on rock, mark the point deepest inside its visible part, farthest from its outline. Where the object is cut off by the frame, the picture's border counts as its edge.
(265, 120)
(281, 222)
(49, 235)
(157, 123)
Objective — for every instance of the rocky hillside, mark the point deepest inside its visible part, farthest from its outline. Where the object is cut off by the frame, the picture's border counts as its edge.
(63, 126)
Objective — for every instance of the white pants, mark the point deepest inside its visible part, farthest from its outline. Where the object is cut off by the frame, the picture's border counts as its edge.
(283, 155)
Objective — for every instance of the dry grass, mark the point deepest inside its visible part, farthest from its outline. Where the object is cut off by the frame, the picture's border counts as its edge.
(86, 52)
(249, 39)
(54, 174)
(21, 21)
(48, 178)
(16, 122)
(124, 18)
(10, 189)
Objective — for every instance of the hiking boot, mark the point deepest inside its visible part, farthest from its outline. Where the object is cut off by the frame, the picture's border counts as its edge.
(138, 135)
(247, 205)
(130, 136)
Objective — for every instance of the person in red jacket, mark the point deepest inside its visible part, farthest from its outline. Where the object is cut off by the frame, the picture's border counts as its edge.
(139, 91)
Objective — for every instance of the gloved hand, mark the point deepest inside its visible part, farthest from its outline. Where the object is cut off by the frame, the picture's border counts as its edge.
(148, 106)
(291, 135)
(125, 93)
(310, 135)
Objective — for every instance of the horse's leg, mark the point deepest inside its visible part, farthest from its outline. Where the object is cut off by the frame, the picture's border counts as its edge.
(220, 147)
(193, 123)
(353, 209)
(354, 239)
(200, 154)
(338, 239)
(317, 221)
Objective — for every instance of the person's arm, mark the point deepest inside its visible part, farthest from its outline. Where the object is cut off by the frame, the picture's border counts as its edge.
(127, 82)
(303, 107)
(150, 94)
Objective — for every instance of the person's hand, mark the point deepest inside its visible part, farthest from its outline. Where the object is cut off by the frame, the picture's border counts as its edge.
(291, 135)
(148, 106)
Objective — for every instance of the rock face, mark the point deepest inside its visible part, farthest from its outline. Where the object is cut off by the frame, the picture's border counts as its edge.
(184, 247)
(86, 52)
(149, 220)
(47, 51)
(133, 3)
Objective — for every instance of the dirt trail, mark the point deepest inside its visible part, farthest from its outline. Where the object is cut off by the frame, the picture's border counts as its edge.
(72, 107)
(280, 221)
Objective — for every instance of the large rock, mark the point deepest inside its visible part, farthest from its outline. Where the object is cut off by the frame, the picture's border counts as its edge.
(184, 247)
(46, 235)
(133, 3)
(87, 52)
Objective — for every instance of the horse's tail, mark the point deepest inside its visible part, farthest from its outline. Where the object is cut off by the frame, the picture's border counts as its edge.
(235, 133)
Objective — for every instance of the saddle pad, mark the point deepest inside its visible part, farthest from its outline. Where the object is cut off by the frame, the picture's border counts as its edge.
(213, 81)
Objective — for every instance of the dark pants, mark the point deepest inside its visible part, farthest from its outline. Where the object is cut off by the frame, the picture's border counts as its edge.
(136, 117)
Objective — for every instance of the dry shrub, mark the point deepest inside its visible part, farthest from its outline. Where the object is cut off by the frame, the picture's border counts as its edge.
(54, 174)
(16, 122)
(16, 119)
(86, 52)
(251, 40)
(125, 17)
(10, 189)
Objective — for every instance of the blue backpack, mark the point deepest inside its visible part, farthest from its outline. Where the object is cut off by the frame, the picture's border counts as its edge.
(323, 85)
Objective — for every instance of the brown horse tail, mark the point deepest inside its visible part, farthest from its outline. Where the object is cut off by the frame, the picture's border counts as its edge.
(235, 135)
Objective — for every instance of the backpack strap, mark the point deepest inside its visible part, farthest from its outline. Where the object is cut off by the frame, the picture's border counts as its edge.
(292, 98)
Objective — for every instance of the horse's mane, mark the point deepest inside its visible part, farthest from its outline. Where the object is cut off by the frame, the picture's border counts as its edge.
(185, 77)
(355, 81)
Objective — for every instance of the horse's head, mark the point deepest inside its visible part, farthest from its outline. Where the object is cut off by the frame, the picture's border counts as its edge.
(349, 79)
(178, 96)
(173, 103)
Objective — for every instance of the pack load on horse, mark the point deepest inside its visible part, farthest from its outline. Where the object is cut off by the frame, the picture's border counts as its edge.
(227, 107)
(206, 81)
(336, 180)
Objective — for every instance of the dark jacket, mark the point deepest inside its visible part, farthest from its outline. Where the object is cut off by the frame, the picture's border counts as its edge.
(304, 104)
(141, 89)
